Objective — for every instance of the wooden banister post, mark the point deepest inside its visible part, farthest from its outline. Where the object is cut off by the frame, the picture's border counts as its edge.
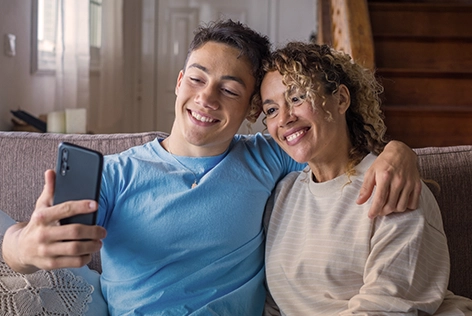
(345, 25)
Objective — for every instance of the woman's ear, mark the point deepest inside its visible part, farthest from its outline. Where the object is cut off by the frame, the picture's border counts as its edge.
(344, 99)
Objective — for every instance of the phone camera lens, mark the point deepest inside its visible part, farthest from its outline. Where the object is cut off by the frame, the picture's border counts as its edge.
(64, 168)
(65, 155)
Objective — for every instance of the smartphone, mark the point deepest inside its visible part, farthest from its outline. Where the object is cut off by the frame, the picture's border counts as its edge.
(78, 177)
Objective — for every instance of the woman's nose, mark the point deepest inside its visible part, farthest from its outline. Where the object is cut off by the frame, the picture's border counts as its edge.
(286, 116)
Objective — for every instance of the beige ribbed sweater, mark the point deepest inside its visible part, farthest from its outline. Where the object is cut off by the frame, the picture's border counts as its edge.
(324, 256)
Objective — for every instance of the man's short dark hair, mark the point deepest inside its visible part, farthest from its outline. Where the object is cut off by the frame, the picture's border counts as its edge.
(252, 45)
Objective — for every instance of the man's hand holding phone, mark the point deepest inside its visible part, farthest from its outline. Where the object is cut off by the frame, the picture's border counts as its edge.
(43, 243)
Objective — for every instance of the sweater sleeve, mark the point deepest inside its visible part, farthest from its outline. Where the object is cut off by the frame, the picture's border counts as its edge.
(407, 270)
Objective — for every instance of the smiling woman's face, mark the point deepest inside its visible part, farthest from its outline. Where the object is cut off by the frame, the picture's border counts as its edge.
(302, 131)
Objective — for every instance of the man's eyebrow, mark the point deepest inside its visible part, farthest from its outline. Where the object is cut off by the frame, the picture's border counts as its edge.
(237, 79)
(196, 65)
(228, 77)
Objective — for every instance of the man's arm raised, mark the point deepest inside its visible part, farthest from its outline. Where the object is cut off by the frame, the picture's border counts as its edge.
(43, 243)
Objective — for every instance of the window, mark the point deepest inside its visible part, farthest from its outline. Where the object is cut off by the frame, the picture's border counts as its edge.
(44, 32)
(45, 27)
(95, 33)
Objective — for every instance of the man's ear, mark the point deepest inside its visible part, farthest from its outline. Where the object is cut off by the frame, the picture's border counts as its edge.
(344, 99)
(179, 81)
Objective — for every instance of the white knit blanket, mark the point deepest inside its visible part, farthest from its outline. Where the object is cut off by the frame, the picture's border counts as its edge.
(56, 292)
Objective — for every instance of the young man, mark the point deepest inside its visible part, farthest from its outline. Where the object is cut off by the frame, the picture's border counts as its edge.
(183, 215)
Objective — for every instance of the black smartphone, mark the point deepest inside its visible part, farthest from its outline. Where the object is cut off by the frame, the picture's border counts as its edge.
(78, 177)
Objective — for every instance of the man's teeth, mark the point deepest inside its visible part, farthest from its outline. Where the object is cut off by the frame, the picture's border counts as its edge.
(294, 135)
(203, 119)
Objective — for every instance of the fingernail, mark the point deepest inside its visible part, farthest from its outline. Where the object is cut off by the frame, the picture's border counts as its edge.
(93, 205)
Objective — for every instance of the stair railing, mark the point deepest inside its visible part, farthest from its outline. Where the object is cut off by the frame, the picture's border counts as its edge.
(345, 25)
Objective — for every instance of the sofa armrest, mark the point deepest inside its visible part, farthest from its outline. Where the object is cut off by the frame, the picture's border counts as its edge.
(451, 168)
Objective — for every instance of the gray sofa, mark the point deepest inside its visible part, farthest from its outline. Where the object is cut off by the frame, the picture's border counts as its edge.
(25, 156)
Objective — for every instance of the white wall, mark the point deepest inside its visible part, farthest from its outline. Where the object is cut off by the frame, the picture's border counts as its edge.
(296, 20)
(18, 88)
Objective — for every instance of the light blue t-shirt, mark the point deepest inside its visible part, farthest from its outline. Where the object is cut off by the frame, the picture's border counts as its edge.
(173, 250)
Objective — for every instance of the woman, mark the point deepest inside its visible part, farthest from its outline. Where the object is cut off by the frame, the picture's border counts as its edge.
(324, 256)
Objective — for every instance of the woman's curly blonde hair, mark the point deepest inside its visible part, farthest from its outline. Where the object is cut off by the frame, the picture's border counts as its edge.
(317, 71)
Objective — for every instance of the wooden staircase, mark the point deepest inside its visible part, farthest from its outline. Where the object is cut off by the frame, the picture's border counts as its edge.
(422, 53)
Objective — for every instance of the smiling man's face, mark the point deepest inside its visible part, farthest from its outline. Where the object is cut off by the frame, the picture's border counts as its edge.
(213, 97)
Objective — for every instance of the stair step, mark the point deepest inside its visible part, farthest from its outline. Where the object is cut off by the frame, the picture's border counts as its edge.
(424, 73)
(413, 90)
(426, 126)
(421, 19)
(426, 108)
(423, 53)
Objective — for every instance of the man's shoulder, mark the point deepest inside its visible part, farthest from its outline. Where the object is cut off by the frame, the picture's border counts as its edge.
(256, 141)
(151, 147)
